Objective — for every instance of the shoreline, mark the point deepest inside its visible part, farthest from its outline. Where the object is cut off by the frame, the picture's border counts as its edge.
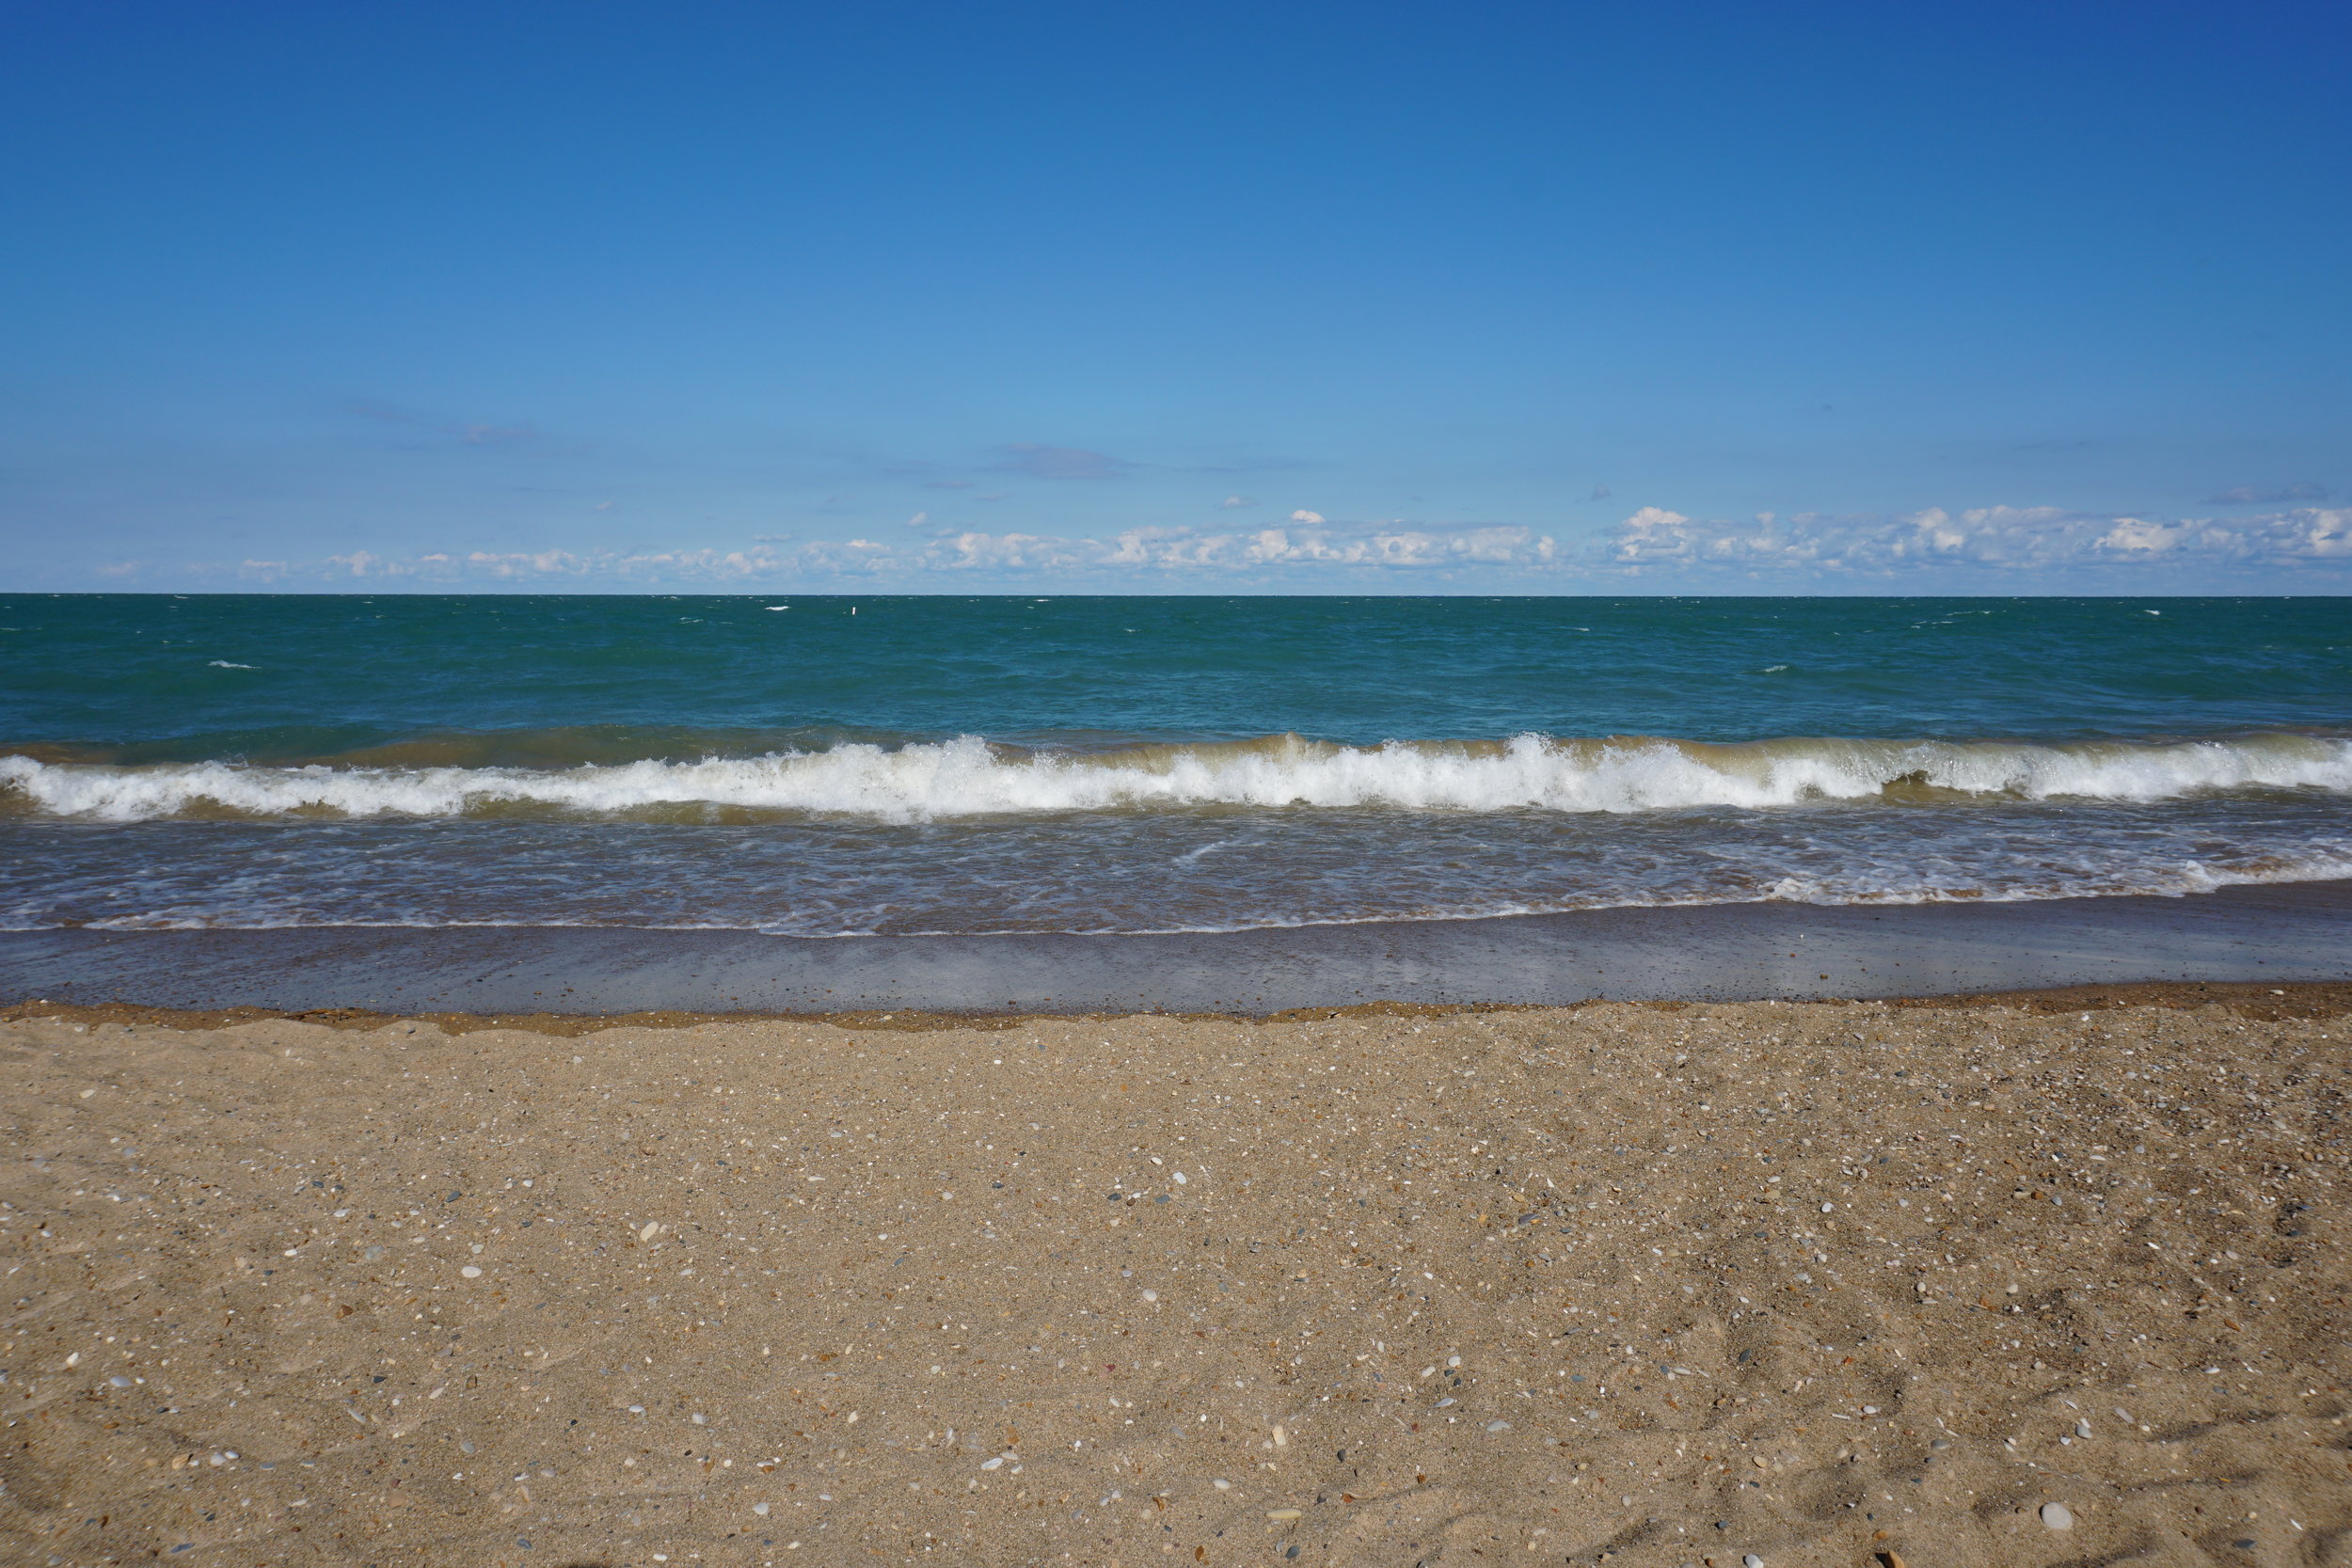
(2254, 1000)
(2276, 933)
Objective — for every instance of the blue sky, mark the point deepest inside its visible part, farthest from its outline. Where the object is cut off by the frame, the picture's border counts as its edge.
(1563, 298)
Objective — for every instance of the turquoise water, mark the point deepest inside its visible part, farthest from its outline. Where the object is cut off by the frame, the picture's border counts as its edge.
(298, 676)
(840, 765)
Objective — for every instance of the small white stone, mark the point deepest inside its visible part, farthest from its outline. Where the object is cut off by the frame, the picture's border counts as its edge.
(2082, 1429)
(992, 1464)
(1150, 1295)
(470, 1272)
(1498, 1426)
(2058, 1515)
(1222, 1485)
(1751, 1561)
(760, 1508)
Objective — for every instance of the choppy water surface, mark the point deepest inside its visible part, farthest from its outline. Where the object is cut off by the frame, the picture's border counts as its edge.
(1121, 764)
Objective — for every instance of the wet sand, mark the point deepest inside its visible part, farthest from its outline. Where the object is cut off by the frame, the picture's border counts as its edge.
(2295, 931)
(1647, 1283)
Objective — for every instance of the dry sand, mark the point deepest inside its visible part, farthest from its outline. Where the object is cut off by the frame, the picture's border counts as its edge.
(1658, 1284)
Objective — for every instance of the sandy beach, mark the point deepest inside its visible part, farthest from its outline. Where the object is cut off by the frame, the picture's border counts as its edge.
(2034, 1280)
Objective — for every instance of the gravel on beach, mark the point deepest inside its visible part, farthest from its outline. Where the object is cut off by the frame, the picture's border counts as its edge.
(2018, 1283)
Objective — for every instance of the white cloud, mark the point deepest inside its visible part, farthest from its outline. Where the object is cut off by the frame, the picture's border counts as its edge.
(1006, 552)
(1150, 550)
(2015, 546)
(1306, 516)
(1987, 539)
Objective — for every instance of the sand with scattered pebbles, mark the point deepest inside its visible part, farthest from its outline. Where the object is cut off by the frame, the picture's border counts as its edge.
(1654, 1285)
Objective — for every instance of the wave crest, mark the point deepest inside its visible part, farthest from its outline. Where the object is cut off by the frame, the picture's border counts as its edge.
(969, 777)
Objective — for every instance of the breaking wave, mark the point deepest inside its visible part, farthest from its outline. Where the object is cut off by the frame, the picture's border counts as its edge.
(970, 777)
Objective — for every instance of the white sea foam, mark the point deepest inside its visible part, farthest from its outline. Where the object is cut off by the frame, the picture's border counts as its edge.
(967, 777)
(1869, 885)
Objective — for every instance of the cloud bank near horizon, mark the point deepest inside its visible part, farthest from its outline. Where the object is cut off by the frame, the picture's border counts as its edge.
(2017, 548)
(1990, 539)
